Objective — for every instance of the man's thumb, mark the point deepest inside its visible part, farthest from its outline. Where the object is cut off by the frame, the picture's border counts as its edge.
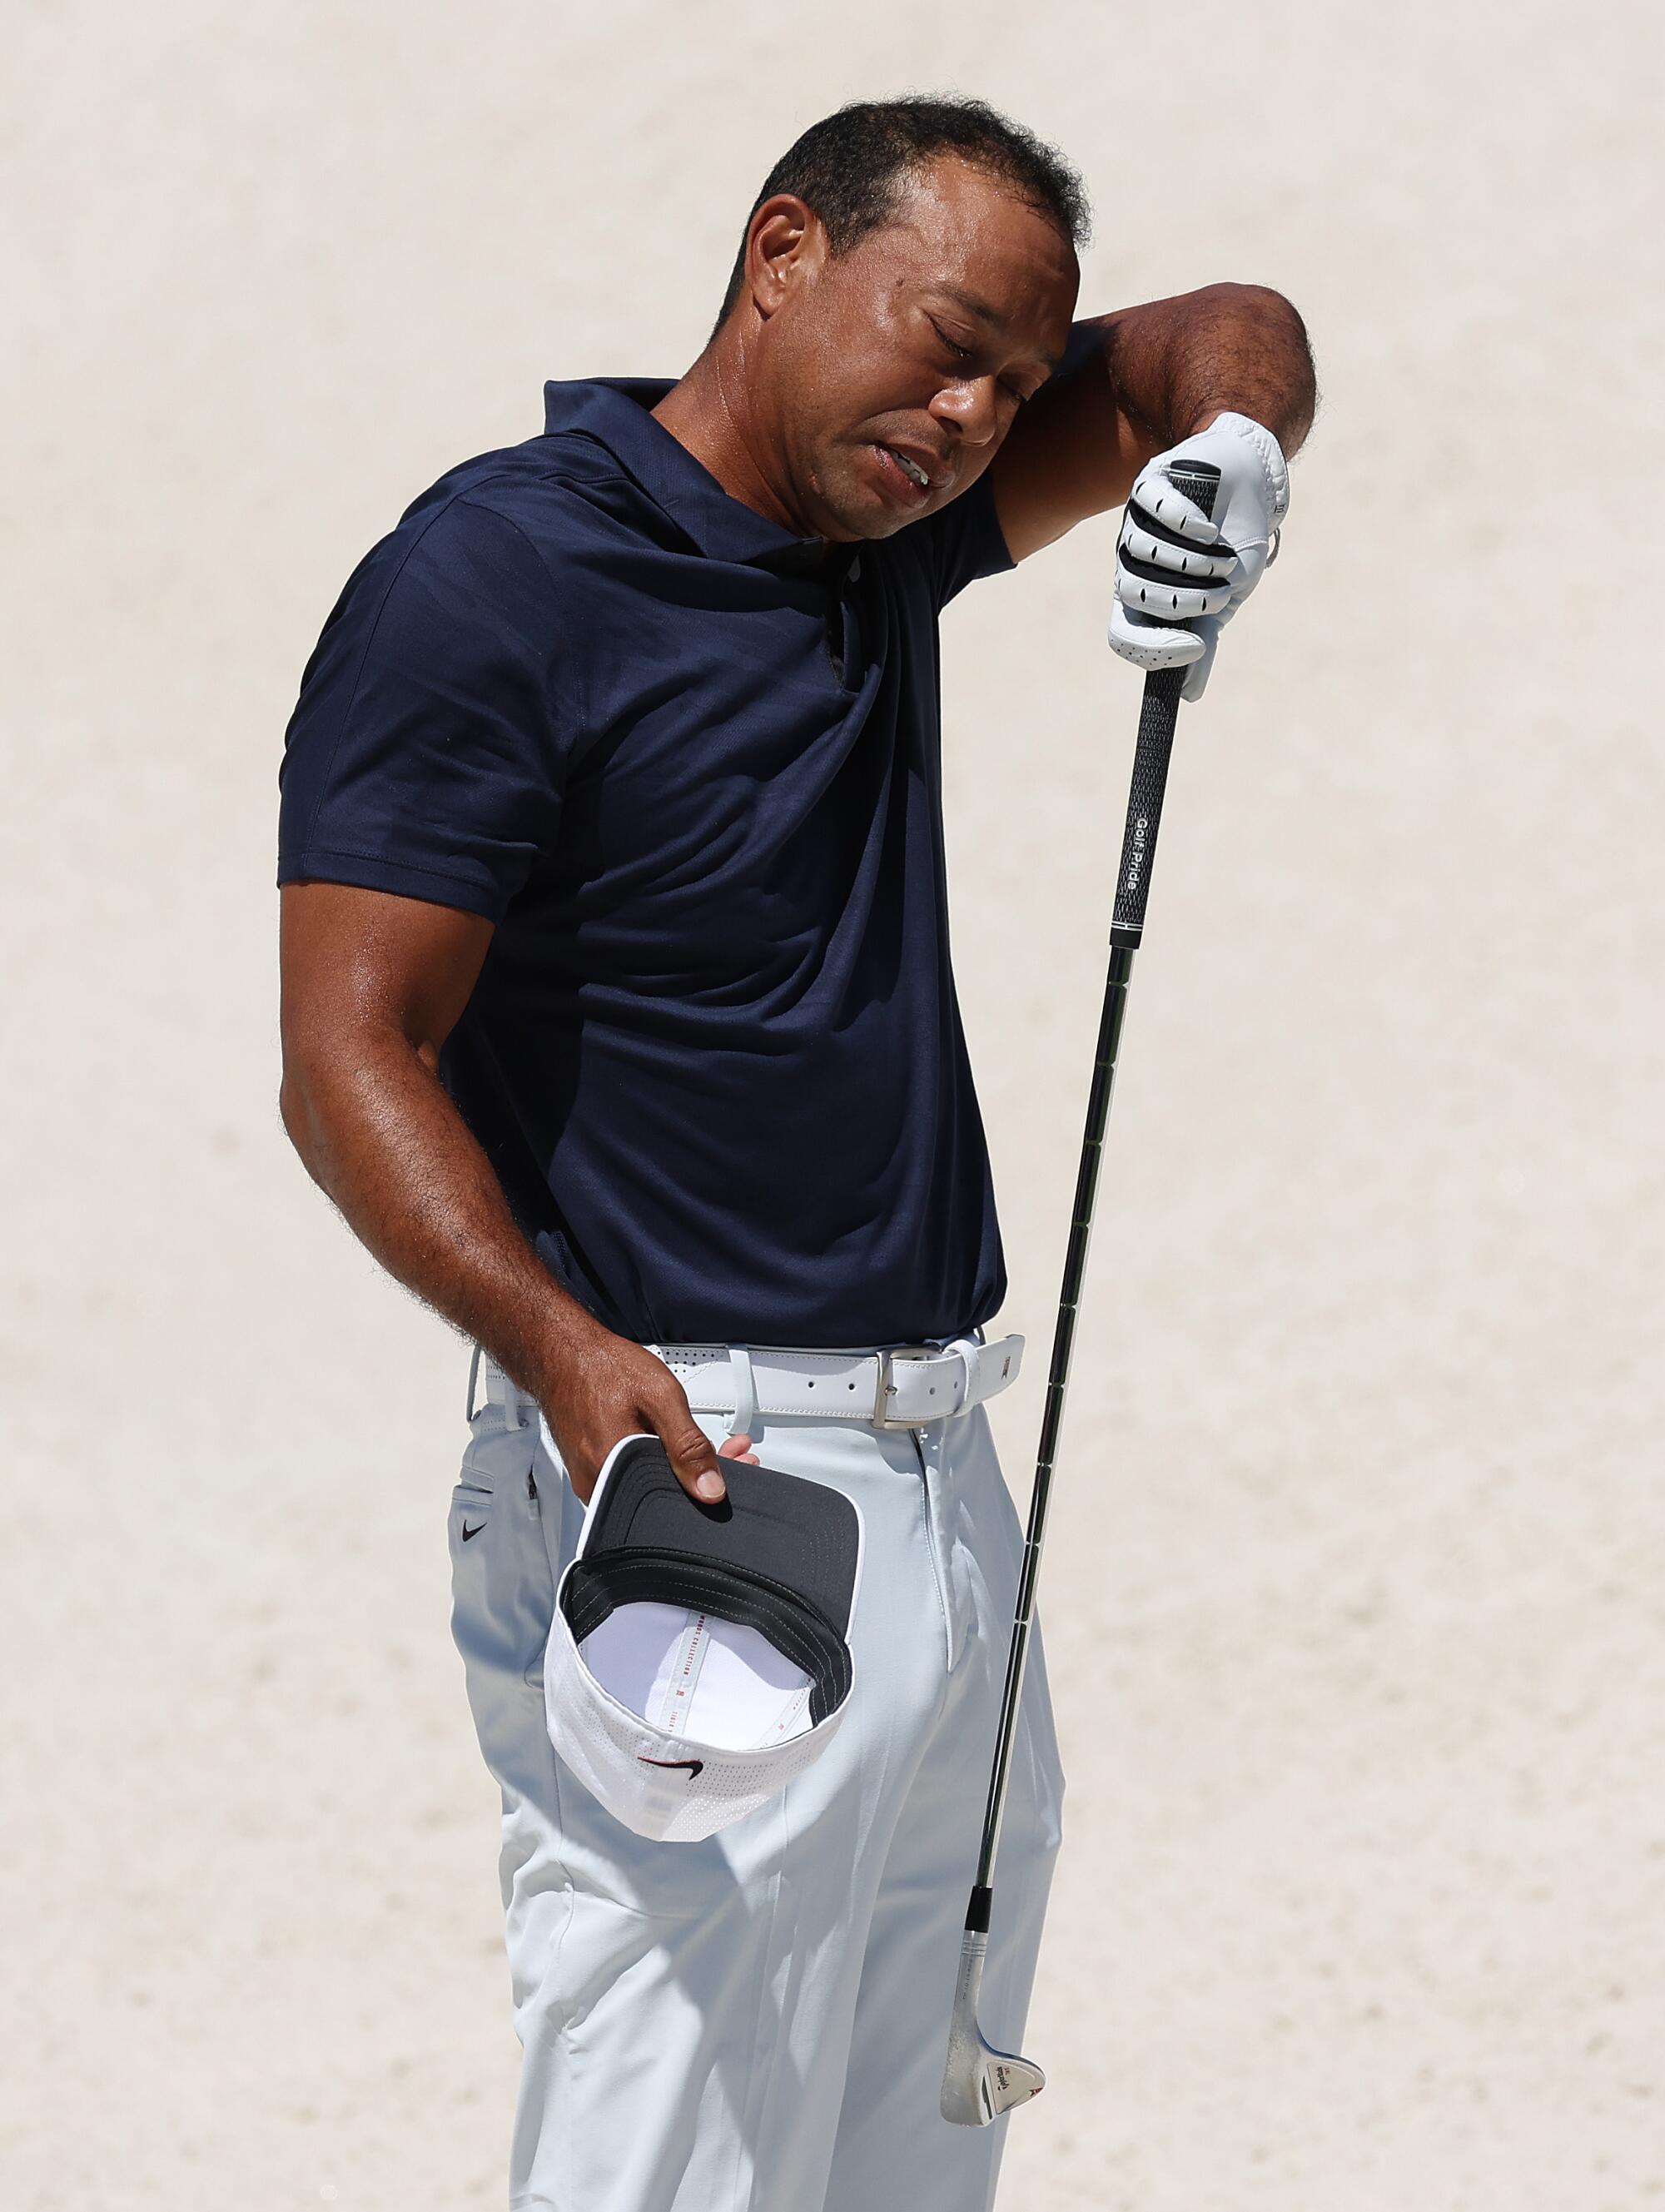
(692, 1456)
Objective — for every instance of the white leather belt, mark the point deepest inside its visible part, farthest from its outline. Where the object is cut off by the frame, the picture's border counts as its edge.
(900, 1389)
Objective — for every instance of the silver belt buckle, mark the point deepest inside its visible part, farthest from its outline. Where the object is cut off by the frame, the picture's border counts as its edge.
(882, 1415)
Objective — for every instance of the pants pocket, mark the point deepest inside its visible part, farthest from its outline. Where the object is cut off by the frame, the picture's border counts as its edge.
(502, 1587)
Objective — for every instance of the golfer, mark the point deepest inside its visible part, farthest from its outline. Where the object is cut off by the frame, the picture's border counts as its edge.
(619, 1023)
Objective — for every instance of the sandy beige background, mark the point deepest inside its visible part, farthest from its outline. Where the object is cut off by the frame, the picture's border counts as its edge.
(1355, 1601)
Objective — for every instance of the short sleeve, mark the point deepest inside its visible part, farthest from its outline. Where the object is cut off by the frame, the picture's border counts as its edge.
(426, 751)
(964, 540)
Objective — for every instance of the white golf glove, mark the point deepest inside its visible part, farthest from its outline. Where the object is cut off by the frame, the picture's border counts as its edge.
(1179, 578)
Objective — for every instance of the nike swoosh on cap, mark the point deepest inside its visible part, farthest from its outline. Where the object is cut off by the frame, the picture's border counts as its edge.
(694, 1766)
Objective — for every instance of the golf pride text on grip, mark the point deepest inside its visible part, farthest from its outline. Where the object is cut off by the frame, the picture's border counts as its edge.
(1158, 715)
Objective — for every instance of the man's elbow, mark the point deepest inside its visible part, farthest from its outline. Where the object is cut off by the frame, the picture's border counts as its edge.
(1272, 325)
(1260, 303)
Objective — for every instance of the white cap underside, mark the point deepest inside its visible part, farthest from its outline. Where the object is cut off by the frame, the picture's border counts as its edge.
(689, 1675)
(641, 1772)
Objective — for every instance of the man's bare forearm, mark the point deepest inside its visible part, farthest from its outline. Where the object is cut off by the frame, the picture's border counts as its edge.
(377, 1132)
(373, 984)
(1175, 364)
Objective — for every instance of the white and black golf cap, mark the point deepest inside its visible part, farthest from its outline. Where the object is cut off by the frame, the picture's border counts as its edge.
(700, 1658)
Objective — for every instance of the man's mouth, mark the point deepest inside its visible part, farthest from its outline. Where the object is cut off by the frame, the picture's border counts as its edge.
(903, 473)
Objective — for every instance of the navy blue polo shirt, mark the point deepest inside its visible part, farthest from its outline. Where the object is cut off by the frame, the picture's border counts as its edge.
(689, 764)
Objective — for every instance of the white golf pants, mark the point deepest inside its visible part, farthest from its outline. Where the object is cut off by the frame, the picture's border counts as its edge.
(758, 2023)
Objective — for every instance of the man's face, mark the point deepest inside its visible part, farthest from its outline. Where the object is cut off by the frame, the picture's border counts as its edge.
(918, 345)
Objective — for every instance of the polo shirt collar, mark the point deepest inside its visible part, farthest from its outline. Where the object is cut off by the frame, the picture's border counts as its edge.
(615, 410)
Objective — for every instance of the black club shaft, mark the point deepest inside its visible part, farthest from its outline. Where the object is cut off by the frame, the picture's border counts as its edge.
(1158, 715)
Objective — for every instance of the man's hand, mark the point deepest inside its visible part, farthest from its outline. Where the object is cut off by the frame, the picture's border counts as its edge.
(1179, 577)
(605, 1387)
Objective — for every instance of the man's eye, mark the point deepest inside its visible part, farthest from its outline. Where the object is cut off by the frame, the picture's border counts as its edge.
(959, 352)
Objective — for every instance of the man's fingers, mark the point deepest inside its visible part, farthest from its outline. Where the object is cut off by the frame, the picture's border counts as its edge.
(738, 1447)
(692, 1455)
(1177, 566)
(1166, 598)
(1143, 540)
(1157, 497)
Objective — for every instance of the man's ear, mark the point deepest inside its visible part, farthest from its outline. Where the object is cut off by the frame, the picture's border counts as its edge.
(786, 244)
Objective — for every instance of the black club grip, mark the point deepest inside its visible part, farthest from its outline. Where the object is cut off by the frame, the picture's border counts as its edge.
(1158, 715)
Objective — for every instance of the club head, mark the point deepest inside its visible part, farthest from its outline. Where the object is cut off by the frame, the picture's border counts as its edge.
(980, 2082)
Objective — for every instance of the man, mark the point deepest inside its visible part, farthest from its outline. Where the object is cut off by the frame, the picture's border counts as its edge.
(618, 1021)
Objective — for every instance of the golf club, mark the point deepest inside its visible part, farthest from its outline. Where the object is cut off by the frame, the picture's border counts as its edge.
(980, 2083)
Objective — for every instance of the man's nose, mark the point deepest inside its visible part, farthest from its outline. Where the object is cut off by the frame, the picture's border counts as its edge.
(972, 407)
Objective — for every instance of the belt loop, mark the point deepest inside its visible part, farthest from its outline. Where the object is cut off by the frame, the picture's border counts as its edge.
(473, 1378)
(745, 1417)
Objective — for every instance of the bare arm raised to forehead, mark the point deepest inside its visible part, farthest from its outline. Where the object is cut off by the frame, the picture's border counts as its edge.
(373, 985)
(1135, 383)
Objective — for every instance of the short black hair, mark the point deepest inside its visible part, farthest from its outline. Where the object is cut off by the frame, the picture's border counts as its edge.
(849, 167)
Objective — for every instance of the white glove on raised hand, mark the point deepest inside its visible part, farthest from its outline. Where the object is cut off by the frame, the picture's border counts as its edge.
(1179, 578)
